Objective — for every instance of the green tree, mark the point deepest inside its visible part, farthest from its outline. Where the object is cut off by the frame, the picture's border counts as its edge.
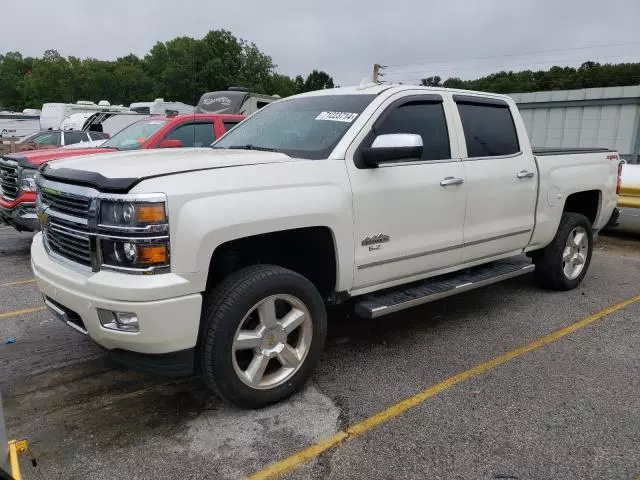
(281, 85)
(299, 82)
(588, 75)
(431, 81)
(13, 70)
(317, 80)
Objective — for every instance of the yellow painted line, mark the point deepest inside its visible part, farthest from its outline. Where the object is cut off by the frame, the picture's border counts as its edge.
(21, 312)
(19, 282)
(16, 449)
(297, 459)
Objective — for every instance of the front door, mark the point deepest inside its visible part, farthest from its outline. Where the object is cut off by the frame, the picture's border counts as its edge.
(408, 216)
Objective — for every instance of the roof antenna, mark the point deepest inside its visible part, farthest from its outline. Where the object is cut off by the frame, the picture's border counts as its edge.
(375, 77)
(376, 72)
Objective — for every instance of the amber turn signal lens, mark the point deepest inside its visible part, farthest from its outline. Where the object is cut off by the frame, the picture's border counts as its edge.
(152, 254)
(150, 213)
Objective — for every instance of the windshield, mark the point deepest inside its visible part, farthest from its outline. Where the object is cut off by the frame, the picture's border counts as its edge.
(133, 136)
(306, 127)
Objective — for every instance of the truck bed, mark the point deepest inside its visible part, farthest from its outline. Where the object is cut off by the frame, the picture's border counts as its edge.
(564, 172)
(567, 151)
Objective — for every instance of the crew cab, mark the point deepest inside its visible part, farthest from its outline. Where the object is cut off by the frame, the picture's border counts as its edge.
(17, 171)
(222, 260)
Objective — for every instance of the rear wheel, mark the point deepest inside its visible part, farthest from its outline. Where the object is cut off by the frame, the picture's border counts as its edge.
(264, 330)
(564, 262)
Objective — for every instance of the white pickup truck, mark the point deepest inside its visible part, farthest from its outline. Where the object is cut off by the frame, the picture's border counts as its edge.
(222, 260)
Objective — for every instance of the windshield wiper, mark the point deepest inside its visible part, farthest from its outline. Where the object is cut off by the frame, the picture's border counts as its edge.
(252, 147)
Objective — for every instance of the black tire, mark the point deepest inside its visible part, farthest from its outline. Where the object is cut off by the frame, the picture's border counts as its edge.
(223, 311)
(549, 272)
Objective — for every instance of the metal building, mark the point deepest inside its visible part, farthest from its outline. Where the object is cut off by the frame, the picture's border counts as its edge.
(591, 117)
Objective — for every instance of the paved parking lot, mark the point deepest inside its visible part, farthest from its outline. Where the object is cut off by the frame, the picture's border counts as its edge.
(568, 408)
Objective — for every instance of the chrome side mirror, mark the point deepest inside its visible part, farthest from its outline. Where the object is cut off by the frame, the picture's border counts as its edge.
(393, 147)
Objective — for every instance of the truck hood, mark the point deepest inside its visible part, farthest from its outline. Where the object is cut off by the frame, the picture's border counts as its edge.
(35, 158)
(120, 171)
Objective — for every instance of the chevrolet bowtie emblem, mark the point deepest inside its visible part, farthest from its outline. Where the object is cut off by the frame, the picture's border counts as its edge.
(43, 217)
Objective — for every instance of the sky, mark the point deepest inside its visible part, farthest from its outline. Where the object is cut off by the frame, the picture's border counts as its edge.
(414, 38)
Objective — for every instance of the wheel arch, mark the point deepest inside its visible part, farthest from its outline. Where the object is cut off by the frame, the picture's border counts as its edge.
(587, 203)
(310, 251)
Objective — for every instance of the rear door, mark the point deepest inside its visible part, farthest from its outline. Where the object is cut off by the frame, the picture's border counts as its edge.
(501, 178)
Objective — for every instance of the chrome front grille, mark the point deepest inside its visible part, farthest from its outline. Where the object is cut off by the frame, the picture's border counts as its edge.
(70, 241)
(9, 183)
(64, 213)
(67, 203)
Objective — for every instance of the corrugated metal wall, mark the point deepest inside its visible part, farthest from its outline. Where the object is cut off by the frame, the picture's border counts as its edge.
(612, 126)
(594, 117)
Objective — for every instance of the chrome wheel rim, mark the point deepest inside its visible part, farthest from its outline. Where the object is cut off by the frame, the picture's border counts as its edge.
(574, 255)
(272, 341)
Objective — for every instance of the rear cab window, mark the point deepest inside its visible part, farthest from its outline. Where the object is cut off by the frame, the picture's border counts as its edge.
(488, 126)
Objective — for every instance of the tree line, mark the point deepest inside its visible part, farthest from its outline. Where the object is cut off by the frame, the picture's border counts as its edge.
(181, 69)
(184, 68)
(588, 75)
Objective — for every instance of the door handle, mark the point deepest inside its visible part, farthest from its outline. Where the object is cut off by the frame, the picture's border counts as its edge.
(525, 174)
(445, 182)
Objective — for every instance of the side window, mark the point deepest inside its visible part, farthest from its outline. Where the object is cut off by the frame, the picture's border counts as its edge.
(488, 129)
(426, 119)
(229, 124)
(262, 104)
(193, 134)
(74, 137)
(52, 138)
(97, 135)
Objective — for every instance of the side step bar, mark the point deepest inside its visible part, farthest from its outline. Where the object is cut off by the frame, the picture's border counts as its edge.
(391, 301)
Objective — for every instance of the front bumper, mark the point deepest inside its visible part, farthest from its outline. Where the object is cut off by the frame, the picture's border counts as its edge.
(22, 217)
(167, 326)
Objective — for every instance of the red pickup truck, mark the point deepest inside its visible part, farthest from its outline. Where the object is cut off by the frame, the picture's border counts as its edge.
(17, 171)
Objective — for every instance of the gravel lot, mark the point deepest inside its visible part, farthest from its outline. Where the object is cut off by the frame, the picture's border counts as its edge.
(569, 409)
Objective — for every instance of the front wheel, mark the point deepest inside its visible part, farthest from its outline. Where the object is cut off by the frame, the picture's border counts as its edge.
(264, 330)
(563, 264)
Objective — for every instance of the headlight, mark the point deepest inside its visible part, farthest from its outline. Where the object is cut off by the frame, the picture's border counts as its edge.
(132, 214)
(133, 234)
(28, 179)
(136, 253)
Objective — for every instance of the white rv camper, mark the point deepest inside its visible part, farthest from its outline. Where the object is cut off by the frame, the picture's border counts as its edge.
(15, 124)
(53, 114)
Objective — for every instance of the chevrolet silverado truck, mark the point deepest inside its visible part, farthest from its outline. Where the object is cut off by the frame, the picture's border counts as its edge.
(222, 261)
(17, 171)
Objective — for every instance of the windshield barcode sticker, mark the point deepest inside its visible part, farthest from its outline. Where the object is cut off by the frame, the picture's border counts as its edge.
(337, 116)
